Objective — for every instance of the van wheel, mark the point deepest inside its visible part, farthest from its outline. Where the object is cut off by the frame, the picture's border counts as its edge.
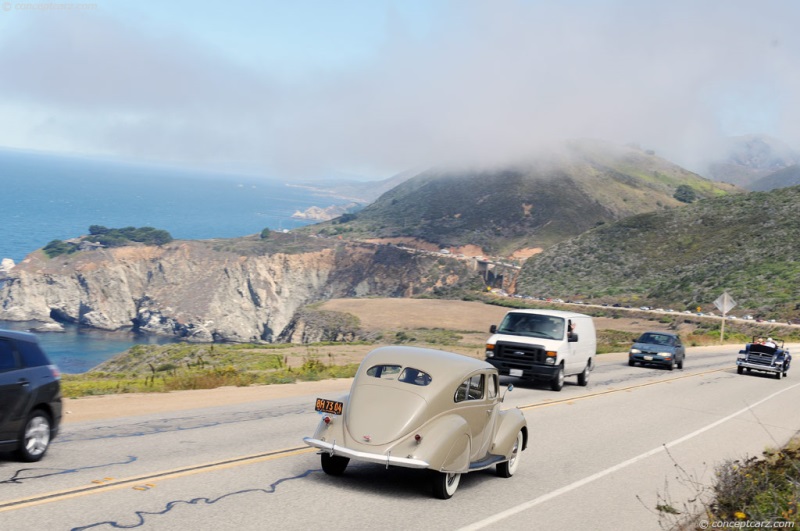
(739, 370)
(583, 378)
(558, 381)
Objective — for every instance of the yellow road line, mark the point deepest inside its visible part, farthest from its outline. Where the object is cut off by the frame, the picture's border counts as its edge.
(615, 390)
(113, 484)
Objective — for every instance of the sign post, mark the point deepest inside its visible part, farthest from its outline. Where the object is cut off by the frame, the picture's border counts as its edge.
(724, 303)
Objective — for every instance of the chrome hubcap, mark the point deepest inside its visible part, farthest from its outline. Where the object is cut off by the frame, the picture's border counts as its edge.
(37, 436)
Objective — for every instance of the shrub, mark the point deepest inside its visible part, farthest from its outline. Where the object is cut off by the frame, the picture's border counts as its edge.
(58, 247)
(685, 194)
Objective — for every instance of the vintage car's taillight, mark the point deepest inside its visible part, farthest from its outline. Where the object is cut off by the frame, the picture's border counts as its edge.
(418, 438)
(327, 419)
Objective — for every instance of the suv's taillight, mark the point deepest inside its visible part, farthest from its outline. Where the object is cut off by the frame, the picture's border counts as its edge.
(55, 371)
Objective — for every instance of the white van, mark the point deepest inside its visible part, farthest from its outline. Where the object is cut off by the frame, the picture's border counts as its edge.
(543, 344)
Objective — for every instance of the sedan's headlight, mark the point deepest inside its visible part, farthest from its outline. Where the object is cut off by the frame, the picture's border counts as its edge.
(665, 354)
(635, 351)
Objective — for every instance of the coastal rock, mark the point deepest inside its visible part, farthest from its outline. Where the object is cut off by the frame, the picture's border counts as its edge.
(49, 327)
(195, 291)
(316, 213)
(6, 265)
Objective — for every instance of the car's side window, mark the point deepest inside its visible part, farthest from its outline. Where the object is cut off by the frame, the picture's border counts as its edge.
(491, 388)
(8, 360)
(387, 372)
(471, 389)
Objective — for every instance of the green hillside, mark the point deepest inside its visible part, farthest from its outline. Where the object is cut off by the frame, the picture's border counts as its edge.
(748, 245)
(536, 204)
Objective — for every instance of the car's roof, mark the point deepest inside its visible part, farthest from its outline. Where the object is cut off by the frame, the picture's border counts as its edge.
(659, 332)
(551, 313)
(441, 365)
(20, 336)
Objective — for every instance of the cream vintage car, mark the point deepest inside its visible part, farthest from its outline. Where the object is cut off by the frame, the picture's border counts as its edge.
(426, 409)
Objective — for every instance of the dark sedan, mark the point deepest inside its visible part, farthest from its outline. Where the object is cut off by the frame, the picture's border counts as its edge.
(658, 348)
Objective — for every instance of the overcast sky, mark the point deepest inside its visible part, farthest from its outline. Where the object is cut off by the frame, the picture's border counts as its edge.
(299, 89)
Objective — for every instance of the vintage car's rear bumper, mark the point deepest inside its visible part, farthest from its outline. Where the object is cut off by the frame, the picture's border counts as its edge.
(383, 459)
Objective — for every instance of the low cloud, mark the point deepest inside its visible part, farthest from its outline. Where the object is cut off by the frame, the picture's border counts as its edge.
(488, 82)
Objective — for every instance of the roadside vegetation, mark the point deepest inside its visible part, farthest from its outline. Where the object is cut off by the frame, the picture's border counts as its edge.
(766, 489)
(753, 492)
(186, 366)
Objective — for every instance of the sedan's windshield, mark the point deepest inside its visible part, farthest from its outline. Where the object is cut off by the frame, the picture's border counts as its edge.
(522, 324)
(656, 339)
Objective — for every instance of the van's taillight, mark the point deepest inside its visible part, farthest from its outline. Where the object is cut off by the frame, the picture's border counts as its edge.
(55, 371)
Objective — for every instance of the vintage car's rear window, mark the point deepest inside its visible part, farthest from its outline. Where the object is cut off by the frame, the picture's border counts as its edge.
(397, 372)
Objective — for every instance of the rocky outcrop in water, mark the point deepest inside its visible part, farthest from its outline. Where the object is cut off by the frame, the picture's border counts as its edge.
(200, 291)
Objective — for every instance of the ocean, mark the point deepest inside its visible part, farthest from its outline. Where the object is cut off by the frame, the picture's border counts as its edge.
(50, 197)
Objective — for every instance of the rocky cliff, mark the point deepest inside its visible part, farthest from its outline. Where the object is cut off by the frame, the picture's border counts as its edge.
(204, 291)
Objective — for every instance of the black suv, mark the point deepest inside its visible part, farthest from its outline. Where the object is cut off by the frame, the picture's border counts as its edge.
(30, 396)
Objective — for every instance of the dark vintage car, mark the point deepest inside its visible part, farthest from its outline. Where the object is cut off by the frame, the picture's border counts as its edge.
(767, 356)
(658, 348)
(424, 409)
(30, 396)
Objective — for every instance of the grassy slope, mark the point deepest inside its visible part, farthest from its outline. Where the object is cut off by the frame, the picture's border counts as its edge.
(746, 244)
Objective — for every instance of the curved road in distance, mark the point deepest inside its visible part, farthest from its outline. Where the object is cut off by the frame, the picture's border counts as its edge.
(599, 457)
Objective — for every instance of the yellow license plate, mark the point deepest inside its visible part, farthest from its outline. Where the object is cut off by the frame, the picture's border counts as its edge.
(329, 406)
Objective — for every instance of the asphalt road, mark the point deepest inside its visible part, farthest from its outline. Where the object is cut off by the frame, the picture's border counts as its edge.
(600, 457)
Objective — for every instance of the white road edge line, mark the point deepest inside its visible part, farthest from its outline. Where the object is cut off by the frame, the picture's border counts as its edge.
(589, 479)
